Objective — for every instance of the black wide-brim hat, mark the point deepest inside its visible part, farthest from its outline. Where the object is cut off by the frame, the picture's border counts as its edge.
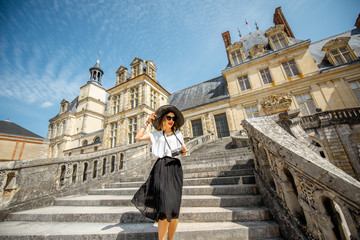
(161, 111)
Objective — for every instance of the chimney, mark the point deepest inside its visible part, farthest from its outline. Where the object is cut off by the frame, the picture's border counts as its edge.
(279, 18)
(226, 38)
(357, 23)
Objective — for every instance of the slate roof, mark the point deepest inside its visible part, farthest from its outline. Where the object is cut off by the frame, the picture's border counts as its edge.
(256, 38)
(319, 56)
(210, 91)
(10, 128)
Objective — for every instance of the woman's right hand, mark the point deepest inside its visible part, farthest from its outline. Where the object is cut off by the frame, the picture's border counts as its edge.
(151, 117)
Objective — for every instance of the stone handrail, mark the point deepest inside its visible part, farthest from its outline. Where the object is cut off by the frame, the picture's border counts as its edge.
(27, 184)
(341, 116)
(195, 143)
(308, 196)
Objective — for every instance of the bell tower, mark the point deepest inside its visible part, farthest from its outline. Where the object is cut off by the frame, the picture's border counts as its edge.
(96, 73)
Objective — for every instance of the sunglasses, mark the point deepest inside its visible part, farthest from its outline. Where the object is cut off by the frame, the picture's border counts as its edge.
(169, 118)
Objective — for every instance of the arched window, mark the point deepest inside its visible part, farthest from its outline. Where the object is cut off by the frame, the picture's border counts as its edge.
(85, 142)
(97, 140)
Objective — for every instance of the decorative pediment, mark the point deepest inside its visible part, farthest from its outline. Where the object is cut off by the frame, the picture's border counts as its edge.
(151, 63)
(336, 43)
(136, 61)
(274, 30)
(236, 45)
(257, 51)
(121, 69)
(276, 103)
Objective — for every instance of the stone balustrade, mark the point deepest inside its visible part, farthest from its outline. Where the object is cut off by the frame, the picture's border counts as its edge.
(28, 184)
(308, 196)
(341, 116)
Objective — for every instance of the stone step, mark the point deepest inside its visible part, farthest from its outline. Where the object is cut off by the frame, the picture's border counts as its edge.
(132, 215)
(246, 189)
(237, 172)
(187, 200)
(214, 166)
(250, 179)
(194, 182)
(216, 157)
(139, 231)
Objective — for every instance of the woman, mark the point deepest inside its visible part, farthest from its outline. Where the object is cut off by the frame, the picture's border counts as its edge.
(159, 198)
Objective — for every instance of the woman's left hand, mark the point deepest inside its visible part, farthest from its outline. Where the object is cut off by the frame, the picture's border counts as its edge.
(184, 149)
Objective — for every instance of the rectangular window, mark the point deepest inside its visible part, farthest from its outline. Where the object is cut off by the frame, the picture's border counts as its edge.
(116, 104)
(355, 86)
(279, 41)
(197, 128)
(290, 68)
(153, 99)
(244, 83)
(132, 129)
(252, 112)
(113, 134)
(265, 75)
(134, 97)
(236, 57)
(341, 56)
(306, 104)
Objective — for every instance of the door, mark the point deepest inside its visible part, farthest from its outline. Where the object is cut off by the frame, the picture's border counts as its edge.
(222, 127)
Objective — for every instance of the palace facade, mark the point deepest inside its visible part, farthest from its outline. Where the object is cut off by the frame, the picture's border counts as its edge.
(267, 72)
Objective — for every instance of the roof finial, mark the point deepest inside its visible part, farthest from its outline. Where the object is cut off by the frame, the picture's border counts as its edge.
(239, 33)
(99, 56)
(257, 28)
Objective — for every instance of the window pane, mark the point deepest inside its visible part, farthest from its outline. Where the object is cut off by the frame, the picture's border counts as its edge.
(339, 60)
(287, 69)
(353, 85)
(311, 107)
(347, 57)
(294, 68)
(277, 45)
(357, 94)
(197, 128)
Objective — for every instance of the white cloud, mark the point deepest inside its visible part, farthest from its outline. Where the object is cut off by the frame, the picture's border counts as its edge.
(46, 104)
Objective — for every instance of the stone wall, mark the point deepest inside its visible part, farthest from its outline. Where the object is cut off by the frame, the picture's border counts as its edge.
(33, 183)
(309, 197)
(338, 132)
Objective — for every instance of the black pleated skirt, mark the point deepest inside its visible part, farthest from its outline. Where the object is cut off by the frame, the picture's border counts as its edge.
(159, 197)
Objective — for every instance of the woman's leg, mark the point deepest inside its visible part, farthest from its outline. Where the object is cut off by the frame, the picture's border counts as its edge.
(172, 228)
(163, 226)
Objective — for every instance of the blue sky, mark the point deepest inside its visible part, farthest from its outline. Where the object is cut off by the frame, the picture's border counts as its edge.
(47, 46)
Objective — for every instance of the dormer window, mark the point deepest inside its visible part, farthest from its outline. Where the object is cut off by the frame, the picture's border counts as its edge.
(151, 69)
(64, 106)
(235, 53)
(341, 55)
(236, 57)
(121, 75)
(339, 52)
(277, 37)
(137, 66)
(279, 41)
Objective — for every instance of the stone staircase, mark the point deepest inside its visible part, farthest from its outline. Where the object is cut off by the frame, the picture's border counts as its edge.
(220, 201)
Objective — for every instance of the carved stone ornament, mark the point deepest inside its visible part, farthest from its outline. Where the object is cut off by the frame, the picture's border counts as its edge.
(276, 103)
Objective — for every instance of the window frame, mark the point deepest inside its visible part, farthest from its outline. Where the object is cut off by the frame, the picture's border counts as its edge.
(244, 79)
(113, 134)
(198, 123)
(289, 66)
(267, 74)
(132, 129)
(305, 102)
(251, 113)
(134, 97)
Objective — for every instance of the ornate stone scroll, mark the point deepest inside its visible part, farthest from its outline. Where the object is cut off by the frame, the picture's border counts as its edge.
(276, 103)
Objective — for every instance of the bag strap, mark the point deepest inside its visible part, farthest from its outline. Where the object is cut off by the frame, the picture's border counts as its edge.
(167, 141)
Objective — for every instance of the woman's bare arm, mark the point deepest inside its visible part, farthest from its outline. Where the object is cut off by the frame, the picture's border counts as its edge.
(141, 135)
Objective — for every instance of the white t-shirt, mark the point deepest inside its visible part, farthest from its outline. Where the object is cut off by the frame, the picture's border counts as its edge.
(159, 146)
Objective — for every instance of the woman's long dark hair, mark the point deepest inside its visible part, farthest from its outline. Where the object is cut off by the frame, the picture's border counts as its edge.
(175, 127)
